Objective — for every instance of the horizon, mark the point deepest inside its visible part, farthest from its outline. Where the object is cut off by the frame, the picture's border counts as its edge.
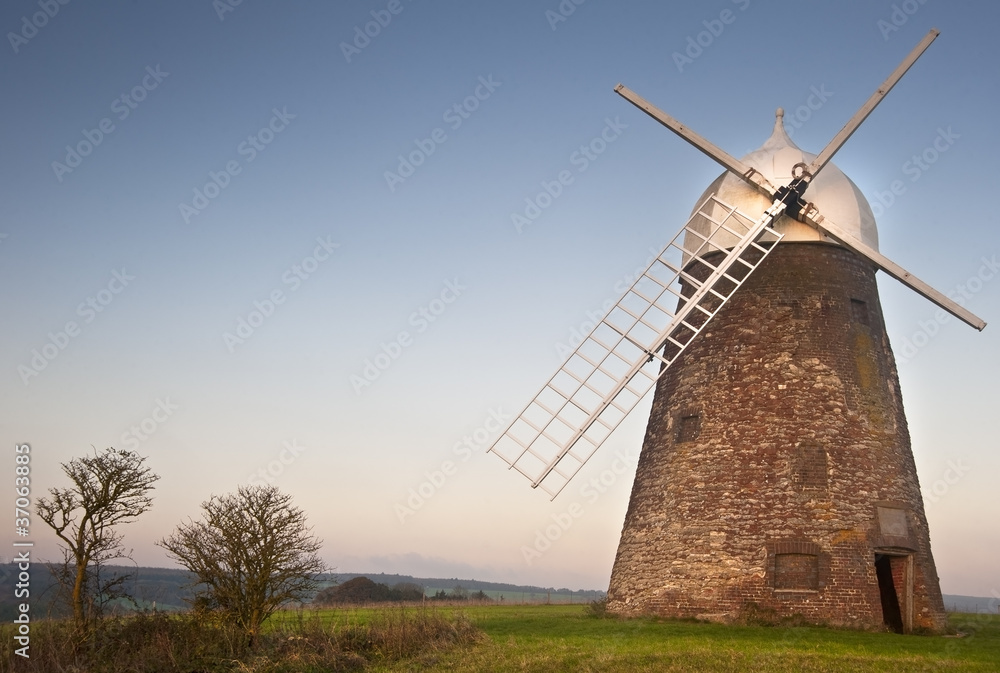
(336, 248)
(991, 600)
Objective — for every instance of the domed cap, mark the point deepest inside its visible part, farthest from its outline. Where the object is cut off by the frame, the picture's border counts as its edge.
(833, 193)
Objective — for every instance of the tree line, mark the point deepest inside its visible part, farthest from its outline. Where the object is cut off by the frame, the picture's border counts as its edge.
(362, 591)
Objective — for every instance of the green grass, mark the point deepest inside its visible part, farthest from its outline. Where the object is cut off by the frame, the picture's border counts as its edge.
(565, 638)
(458, 638)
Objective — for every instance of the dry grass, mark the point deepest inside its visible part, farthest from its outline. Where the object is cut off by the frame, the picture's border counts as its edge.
(157, 643)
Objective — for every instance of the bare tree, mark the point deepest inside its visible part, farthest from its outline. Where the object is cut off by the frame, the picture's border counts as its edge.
(252, 553)
(109, 489)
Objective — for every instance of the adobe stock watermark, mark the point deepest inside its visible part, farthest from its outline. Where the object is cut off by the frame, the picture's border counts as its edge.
(591, 491)
(803, 113)
(454, 116)
(899, 16)
(37, 21)
(249, 148)
(122, 107)
(952, 475)
(562, 12)
(579, 333)
(581, 159)
(269, 473)
(223, 7)
(364, 34)
(294, 276)
(914, 168)
(968, 626)
(961, 294)
(147, 427)
(88, 309)
(420, 319)
(480, 438)
(704, 39)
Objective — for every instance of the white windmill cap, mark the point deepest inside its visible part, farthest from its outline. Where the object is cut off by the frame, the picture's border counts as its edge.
(833, 193)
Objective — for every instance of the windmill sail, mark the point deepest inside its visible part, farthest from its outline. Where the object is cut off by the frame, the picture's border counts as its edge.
(808, 213)
(636, 342)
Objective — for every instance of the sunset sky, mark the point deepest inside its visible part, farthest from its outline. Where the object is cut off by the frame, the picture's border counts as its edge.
(254, 242)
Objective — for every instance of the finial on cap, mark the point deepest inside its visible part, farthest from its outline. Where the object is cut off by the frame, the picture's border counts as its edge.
(779, 123)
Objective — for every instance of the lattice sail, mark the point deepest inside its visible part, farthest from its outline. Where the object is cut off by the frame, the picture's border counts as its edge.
(636, 342)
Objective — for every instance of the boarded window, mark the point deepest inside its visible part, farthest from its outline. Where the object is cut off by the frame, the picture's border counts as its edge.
(796, 572)
(689, 427)
(859, 312)
(892, 522)
(810, 467)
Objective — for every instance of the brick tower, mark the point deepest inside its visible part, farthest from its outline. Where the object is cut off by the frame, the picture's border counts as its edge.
(776, 471)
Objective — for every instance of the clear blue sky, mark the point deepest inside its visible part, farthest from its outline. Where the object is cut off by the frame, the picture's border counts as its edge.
(222, 159)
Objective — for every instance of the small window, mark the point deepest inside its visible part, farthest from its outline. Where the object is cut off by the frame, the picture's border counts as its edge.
(859, 312)
(796, 572)
(690, 426)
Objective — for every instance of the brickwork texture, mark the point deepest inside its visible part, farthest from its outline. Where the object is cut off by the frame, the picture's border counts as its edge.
(776, 463)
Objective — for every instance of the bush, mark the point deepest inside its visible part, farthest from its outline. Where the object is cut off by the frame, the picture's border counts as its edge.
(157, 643)
(250, 554)
(598, 608)
(361, 591)
(151, 643)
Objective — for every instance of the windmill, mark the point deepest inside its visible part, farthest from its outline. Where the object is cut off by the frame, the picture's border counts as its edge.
(776, 471)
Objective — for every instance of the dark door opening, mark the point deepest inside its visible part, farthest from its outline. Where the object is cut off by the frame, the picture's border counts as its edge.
(891, 614)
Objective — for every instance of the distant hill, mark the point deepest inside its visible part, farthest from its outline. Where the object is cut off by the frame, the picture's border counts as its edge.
(164, 587)
(954, 603)
(515, 593)
(167, 588)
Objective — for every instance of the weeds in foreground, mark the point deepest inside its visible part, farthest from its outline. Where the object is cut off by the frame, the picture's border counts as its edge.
(158, 643)
(598, 608)
(753, 614)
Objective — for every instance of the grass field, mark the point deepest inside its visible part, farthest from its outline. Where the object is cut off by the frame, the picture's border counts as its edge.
(516, 597)
(564, 638)
(465, 637)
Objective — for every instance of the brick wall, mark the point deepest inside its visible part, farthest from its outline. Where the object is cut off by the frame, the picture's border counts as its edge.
(800, 435)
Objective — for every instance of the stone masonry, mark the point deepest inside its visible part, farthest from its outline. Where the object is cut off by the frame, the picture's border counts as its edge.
(776, 468)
